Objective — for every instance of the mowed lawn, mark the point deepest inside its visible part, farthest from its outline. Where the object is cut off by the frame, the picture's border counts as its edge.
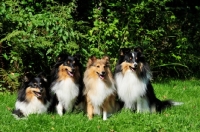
(184, 118)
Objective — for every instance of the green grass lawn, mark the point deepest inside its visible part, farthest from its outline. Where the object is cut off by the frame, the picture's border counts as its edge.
(185, 118)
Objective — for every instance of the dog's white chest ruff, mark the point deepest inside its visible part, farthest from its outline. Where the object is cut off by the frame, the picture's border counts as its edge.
(98, 91)
(129, 87)
(35, 106)
(67, 92)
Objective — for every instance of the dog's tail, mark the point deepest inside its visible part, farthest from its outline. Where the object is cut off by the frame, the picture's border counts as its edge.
(161, 105)
(157, 105)
(18, 114)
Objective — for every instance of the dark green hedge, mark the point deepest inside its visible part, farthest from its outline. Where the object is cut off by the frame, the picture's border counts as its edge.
(34, 32)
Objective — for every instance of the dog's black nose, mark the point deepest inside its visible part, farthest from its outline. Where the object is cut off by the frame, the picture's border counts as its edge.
(135, 65)
(41, 89)
(73, 69)
(103, 73)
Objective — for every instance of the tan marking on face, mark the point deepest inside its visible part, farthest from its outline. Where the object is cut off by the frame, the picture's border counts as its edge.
(126, 66)
(30, 93)
(62, 74)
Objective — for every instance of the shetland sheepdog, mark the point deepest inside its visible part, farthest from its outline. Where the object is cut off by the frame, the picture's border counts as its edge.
(66, 83)
(132, 76)
(99, 91)
(33, 97)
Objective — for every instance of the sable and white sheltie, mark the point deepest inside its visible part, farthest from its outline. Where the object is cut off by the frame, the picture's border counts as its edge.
(132, 76)
(100, 91)
(33, 97)
(66, 83)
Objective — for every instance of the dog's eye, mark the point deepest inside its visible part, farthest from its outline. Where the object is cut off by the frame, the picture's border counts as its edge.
(98, 66)
(34, 85)
(130, 58)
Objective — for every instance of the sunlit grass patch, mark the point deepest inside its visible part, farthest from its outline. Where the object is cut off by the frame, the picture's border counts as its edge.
(180, 118)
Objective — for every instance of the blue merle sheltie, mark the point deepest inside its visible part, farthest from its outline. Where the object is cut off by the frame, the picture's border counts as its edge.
(33, 96)
(66, 83)
(132, 76)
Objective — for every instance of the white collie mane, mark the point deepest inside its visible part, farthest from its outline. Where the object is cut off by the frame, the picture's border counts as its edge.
(67, 91)
(32, 107)
(130, 88)
(98, 91)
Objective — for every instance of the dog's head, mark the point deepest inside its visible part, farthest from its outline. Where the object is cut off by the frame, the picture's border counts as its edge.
(33, 86)
(67, 66)
(99, 67)
(131, 59)
(70, 65)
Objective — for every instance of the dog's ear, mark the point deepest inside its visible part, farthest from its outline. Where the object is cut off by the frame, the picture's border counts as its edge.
(124, 51)
(138, 49)
(77, 57)
(62, 57)
(107, 59)
(27, 77)
(41, 75)
(91, 60)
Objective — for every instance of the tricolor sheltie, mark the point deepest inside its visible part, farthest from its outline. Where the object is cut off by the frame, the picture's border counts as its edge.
(132, 76)
(100, 91)
(66, 83)
(33, 97)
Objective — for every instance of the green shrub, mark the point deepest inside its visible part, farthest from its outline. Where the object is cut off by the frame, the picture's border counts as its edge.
(33, 33)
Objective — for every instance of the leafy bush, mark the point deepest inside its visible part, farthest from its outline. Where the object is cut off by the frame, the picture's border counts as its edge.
(33, 33)
(38, 35)
(10, 81)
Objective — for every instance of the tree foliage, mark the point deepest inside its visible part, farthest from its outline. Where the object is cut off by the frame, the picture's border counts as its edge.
(34, 32)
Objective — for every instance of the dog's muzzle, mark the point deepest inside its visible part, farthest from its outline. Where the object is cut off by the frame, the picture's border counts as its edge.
(134, 66)
(102, 75)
